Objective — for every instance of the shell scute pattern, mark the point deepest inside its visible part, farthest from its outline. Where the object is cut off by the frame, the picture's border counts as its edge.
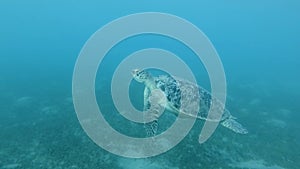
(171, 89)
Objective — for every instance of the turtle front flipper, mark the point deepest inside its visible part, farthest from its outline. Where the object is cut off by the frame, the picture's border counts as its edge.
(151, 128)
(235, 126)
(153, 107)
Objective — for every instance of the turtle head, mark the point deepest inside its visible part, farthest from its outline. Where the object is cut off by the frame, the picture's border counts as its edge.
(140, 75)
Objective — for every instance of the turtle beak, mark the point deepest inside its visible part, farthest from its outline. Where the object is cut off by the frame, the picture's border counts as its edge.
(134, 71)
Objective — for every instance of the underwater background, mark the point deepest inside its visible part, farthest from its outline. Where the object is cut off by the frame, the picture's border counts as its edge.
(257, 41)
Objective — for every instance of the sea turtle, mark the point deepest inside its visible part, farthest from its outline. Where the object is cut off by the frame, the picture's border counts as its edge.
(178, 92)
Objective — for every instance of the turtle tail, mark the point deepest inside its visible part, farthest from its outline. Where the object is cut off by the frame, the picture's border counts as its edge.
(235, 126)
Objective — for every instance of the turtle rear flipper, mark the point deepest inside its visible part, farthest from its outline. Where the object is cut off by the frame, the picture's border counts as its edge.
(234, 126)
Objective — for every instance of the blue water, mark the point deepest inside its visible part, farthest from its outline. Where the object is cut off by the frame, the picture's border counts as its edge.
(257, 41)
